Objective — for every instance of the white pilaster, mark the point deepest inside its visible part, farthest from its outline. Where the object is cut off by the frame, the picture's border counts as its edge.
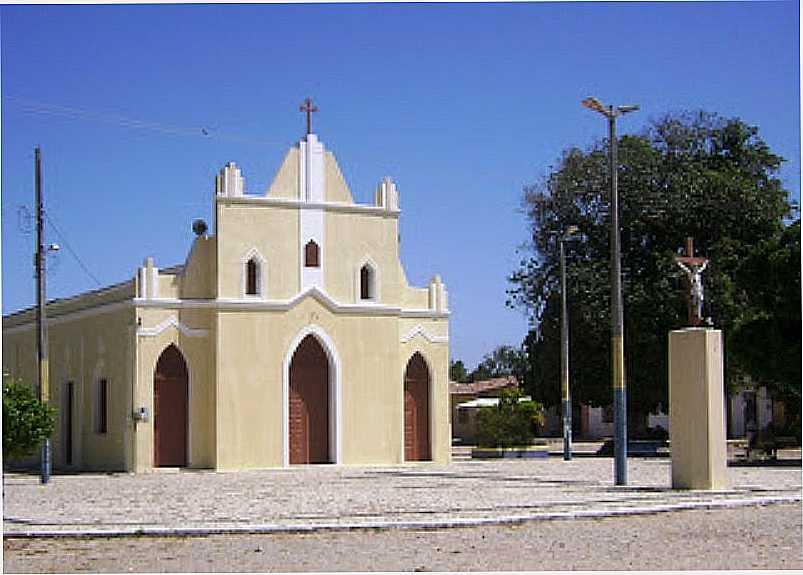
(437, 295)
(312, 189)
(230, 181)
(148, 280)
(387, 196)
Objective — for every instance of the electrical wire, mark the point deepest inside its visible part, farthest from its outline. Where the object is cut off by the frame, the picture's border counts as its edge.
(33, 107)
(72, 251)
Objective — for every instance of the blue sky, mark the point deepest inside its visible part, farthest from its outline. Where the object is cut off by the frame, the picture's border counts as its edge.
(462, 104)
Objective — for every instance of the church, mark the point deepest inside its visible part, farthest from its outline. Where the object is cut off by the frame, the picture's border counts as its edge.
(289, 336)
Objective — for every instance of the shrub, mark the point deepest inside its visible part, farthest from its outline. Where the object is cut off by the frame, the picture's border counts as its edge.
(27, 422)
(510, 423)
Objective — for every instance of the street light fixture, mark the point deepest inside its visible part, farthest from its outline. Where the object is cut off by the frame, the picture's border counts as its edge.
(564, 349)
(617, 321)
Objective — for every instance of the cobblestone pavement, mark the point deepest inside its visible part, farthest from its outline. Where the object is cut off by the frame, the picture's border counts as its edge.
(751, 537)
(333, 497)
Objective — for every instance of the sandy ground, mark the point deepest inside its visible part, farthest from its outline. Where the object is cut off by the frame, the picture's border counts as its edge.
(769, 537)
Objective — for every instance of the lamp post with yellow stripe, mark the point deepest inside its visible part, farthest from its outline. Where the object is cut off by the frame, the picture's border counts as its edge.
(617, 319)
(564, 347)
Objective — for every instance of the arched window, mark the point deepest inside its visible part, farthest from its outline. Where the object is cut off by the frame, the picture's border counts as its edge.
(252, 277)
(311, 255)
(367, 289)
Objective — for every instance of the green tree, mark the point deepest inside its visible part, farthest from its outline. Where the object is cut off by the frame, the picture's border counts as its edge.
(26, 420)
(511, 423)
(458, 372)
(687, 175)
(770, 275)
(502, 361)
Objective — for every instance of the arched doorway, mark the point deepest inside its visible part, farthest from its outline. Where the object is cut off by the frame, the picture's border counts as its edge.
(416, 410)
(308, 413)
(170, 399)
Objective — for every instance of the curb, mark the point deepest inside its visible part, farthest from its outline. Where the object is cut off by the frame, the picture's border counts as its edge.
(388, 525)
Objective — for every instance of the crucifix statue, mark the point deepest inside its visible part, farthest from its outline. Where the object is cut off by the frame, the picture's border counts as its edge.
(309, 109)
(694, 268)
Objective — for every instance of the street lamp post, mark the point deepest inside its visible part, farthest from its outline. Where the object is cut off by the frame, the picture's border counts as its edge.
(564, 350)
(617, 321)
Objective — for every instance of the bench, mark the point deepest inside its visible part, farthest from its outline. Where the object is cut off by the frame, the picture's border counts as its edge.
(770, 444)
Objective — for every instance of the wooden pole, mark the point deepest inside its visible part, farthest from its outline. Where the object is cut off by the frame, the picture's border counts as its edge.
(41, 318)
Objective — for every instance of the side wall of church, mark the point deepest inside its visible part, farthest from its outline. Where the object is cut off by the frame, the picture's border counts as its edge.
(84, 348)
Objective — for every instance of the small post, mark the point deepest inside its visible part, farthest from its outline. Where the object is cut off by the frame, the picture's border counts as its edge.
(41, 318)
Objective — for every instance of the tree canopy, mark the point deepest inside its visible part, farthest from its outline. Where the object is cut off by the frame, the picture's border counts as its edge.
(686, 175)
(502, 361)
(27, 422)
(766, 343)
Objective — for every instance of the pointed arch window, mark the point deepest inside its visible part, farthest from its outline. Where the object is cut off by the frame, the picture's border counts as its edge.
(367, 283)
(252, 277)
(312, 255)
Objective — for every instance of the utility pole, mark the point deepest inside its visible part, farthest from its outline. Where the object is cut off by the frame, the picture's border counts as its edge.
(41, 319)
(617, 315)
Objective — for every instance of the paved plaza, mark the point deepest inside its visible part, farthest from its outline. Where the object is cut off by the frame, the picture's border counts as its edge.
(415, 496)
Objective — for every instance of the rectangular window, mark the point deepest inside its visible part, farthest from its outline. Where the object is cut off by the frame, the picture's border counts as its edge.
(365, 283)
(251, 278)
(311, 259)
(66, 414)
(101, 417)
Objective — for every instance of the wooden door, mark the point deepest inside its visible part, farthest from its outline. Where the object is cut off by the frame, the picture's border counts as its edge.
(170, 390)
(416, 410)
(309, 404)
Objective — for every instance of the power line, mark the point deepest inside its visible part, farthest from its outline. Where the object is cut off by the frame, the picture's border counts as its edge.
(69, 248)
(33, 107)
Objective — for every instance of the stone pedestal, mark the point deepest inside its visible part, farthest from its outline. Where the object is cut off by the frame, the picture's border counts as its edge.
(696, 409)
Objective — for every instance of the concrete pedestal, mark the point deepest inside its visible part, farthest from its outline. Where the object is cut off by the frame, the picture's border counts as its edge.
(696, 409)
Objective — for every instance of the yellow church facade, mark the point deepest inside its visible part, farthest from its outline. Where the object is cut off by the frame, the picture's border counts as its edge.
(289, 336)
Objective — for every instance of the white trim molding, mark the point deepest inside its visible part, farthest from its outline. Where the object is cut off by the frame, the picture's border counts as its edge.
(364, 308)
(172, 322)
(421, 330)
(311, 205)
(251, 303)
(335, 393)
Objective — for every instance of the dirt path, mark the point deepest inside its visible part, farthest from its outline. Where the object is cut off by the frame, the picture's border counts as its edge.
(768, 537)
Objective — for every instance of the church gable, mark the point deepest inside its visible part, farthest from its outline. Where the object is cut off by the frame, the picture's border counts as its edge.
(336, 188)
(288, 182)
(285, 182)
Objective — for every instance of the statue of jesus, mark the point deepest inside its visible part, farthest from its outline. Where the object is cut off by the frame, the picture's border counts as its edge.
(694, 268)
